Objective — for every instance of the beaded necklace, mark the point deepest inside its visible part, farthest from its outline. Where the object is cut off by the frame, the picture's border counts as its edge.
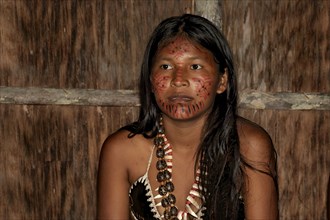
(164, 154)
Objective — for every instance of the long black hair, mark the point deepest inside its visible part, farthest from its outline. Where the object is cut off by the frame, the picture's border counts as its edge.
(220, 163)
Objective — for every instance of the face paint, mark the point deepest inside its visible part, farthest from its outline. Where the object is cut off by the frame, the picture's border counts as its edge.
(179, 47)
(203, 87)
(185, 79)
(160, 83)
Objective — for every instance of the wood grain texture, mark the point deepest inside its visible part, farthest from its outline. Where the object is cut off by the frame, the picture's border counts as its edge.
(302, 140)
(78, 44)
(208, 9)
(49, 153)
(49, 158)
(252, 99)
(248, 99)
(281, 45)
(49, 96)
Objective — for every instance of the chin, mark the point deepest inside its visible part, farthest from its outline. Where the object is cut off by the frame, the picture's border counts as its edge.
(184, 116)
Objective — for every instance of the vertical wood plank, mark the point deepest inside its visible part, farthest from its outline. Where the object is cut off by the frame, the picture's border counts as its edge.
(301, 139)
(49, 158)
(279, 45)
(78, 44)
(49, 154)
(282, 46)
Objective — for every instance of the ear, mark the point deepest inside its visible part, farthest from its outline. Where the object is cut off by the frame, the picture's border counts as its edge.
(223, 82)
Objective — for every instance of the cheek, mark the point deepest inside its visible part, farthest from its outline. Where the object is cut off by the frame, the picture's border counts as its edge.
(159, 82)
(203, 86)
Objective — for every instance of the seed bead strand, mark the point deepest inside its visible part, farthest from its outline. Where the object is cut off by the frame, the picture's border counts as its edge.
(193, 206)
(164, 176)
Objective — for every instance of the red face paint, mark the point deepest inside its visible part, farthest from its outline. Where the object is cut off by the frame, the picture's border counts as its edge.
(203, 87)
(185, 79)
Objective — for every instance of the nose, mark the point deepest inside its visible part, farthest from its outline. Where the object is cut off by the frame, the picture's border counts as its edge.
(179, 79)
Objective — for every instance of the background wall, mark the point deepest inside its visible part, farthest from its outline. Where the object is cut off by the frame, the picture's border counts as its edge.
(283, 46)
(68, 78)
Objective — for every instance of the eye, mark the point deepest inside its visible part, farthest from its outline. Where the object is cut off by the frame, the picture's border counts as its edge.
(166, 67)
(195, 67)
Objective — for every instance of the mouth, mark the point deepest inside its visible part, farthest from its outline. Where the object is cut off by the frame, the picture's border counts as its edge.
(180, 98)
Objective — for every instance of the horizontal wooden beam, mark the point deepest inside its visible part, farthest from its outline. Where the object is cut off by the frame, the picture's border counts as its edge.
(50, 96)
(249, 99)
(253, 99)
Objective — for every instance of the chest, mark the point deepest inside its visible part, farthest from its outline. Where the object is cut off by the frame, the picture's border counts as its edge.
(183, 177)
(177, 193)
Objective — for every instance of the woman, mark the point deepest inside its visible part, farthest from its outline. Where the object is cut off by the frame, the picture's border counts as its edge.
(189, 155)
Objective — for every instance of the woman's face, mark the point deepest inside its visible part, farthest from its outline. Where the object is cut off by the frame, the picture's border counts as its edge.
(185, 79)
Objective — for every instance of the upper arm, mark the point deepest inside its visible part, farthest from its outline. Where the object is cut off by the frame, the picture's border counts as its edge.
(260, 188)
(113, 183)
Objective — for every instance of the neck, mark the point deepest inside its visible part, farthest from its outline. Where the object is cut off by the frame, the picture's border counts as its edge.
(184, 134)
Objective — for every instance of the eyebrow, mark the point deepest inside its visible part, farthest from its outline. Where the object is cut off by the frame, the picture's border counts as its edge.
(165, 58)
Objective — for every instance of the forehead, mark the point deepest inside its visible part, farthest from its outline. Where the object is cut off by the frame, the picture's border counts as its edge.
(181, 44)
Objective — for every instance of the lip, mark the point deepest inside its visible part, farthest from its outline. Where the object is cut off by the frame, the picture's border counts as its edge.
(180, 98)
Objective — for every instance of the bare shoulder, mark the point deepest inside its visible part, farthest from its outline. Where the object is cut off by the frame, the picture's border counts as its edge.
(260, 188)
(128, 153)
(255, 142)
(117, 143)
(122, 160)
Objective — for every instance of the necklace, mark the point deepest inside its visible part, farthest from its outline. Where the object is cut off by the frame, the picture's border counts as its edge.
(164, 177)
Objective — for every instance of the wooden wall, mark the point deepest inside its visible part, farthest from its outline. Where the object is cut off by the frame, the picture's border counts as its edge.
(283, 46)
(78, 43)
(49, 153)
(49, 149)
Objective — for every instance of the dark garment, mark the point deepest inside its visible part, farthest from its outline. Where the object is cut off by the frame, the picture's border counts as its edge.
(141, 201)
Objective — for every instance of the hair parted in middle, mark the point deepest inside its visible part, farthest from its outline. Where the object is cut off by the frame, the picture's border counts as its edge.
(218, 152)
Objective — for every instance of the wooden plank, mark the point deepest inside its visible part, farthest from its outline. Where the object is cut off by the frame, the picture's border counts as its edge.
(49, 152)
(249, 99)
(49, 158)
(50, 96)
(301, 139)
(78, 44)
(279, 45)
(209, 9)
(45, 161)
(252, 99)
